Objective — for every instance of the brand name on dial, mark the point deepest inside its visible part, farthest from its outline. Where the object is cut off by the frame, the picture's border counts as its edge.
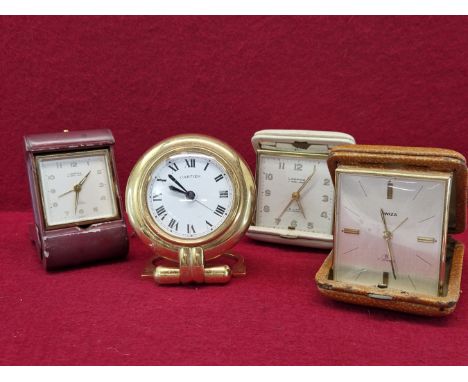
(390, 214)
(189, 176)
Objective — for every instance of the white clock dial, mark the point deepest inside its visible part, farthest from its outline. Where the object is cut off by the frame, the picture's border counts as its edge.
(190, 195)
(281, 176)
(76, 187)
(390, 230)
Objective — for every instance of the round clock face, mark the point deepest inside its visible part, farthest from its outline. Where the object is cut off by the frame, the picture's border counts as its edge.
(76, 188)
(294, 193)
(190, 195)
(390, 230)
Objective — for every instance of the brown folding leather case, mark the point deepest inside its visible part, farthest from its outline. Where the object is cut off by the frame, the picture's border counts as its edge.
(71, 246)
(416, 158)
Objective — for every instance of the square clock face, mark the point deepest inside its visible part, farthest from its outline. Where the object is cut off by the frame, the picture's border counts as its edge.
(77, 188)
(390, 229)
(295, 192)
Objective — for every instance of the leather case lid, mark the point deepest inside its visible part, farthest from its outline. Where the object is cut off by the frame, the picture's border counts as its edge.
(68, 140)
(417, 158)
(329, 138)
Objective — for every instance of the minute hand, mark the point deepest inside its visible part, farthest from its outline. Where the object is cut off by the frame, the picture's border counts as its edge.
(84, 179)
(305, 182)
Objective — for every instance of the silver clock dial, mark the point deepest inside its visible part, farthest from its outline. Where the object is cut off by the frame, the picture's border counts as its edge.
(278, 178)
(190, 195)
(390, 231)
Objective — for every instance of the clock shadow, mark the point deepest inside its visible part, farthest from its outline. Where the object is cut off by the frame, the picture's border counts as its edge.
(317, 257)
(382, 315)
(87, 265)
(288, 249)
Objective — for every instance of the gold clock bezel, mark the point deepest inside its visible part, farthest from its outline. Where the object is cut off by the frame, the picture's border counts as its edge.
(431, 175)
(70, 155)
(220, 239)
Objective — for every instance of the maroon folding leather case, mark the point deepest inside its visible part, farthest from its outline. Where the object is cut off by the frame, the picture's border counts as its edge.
(72, 246)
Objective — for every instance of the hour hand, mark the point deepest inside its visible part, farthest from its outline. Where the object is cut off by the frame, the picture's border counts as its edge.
(177, 190)
(66, 193)
(382, 216)
(278, 219)
(176, 182)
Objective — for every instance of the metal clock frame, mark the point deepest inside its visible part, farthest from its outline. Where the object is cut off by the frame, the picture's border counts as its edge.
(71, 155)
(222, 238)
(327, 239)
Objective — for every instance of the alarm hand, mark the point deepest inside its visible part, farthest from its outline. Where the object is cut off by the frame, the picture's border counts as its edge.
(399, 225)
(388, 236)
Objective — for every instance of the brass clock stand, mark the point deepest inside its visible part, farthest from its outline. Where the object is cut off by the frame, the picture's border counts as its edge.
(192, 268)
(203, 259)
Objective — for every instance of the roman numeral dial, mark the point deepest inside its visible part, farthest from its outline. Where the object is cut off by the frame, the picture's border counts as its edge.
(190, 195)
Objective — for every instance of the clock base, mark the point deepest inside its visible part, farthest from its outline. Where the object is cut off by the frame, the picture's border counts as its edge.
(75, 246)
(284, 236)
(192, 268)
(402, 301)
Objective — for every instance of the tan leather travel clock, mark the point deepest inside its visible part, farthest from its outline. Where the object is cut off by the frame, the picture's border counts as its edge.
(394, 209)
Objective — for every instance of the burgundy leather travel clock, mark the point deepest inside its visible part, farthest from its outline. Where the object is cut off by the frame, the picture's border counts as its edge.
(75, 196)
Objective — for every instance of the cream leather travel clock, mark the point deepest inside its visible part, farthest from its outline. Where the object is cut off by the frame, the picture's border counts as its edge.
(295, 191)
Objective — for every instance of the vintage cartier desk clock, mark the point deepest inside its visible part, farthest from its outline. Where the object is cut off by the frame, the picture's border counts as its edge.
(295, 191)
(191, 198)
(75, 197)
(394, 209)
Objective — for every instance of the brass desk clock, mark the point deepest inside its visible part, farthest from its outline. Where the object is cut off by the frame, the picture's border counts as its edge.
(191, 198)
(295, 191)
(394, 209)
